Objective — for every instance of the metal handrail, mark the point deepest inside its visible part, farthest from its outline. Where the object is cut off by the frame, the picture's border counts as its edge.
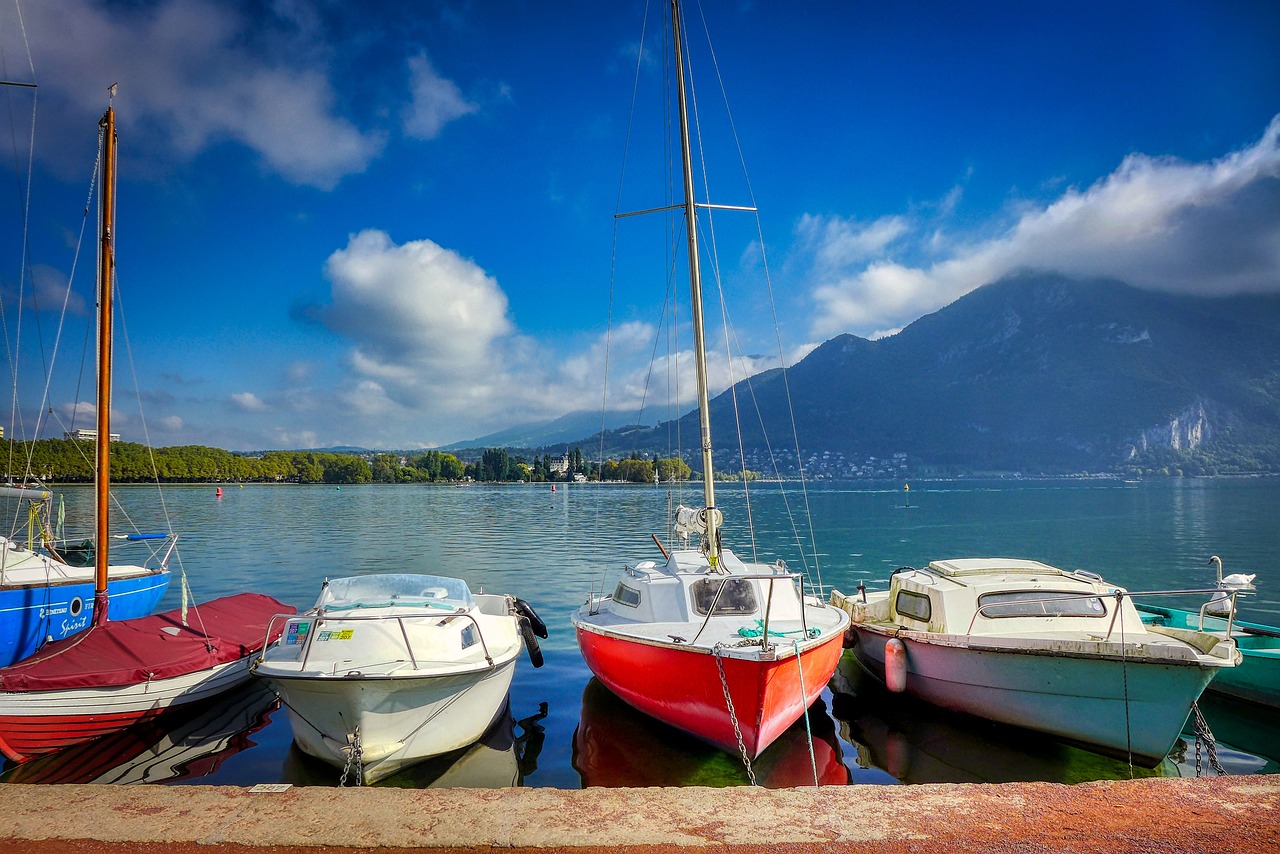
(317, 619)
(771, 577)
(1119, 595)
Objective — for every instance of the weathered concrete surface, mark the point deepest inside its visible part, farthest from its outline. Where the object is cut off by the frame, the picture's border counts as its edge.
(1222, 814)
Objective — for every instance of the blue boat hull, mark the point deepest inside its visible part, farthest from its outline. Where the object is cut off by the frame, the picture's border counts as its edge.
(32, 615)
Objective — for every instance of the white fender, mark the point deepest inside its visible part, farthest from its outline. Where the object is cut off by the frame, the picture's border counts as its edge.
(895, 665)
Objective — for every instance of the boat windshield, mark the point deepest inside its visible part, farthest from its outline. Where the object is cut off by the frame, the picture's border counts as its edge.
(374, 591)
(727, 595)
(1040, 603)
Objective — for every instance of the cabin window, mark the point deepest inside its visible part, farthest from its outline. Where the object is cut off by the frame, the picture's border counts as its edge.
(737, 596)
(913, 605)
(469, 635)
(1040, 603)
(625, 595)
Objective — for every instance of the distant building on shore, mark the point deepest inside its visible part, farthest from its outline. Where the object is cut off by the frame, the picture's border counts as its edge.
(83, 435)
(558, 466)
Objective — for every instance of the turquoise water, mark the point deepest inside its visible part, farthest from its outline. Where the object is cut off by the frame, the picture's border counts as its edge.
(554, 548)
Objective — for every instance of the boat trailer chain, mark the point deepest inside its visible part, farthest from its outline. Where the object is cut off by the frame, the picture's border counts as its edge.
(1203, 734)
(733, 717)
(354, 754)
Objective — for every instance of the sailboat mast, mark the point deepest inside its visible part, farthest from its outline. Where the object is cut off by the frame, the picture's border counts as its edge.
(695, 299)
(106, 271)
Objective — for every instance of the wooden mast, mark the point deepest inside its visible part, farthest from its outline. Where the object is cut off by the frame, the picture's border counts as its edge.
(695, 288)
(106, 275)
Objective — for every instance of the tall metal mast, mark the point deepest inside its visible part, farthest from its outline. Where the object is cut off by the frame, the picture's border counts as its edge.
(695, 289)
(106, 273)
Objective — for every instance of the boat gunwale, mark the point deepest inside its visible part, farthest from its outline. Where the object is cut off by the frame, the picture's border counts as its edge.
(779, 651)
(1041, 647)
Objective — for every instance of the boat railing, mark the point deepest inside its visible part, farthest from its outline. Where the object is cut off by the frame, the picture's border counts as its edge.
(1119, 596)
(771, 577)
(318, 619)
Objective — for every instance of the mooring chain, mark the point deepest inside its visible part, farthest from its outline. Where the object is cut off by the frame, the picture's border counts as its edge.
(354, 754)
(733, 717)
(1203, 733)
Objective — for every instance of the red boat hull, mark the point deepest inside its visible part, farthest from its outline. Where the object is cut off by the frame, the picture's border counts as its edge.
(682, 686)
(115, 675)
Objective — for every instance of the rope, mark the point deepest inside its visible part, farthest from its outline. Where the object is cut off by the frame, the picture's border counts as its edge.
(758, 631)
(808, 731)
(1124, 670)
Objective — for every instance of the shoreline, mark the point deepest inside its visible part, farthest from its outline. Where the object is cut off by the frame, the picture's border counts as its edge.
(1185, 815)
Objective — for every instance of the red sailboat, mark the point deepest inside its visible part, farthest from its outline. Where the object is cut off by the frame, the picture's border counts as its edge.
(114, 674)
(729, 651)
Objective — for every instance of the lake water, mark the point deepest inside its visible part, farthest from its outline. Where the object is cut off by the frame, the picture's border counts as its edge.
(554, 548)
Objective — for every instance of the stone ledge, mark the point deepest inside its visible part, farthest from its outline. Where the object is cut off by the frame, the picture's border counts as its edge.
(1218, 814)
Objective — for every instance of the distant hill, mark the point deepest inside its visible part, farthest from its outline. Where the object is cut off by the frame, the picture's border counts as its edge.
(566, 430)
(1037, 374)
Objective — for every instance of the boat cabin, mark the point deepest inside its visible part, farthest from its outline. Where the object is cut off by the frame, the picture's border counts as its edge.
(684, 589)
(1001, 596)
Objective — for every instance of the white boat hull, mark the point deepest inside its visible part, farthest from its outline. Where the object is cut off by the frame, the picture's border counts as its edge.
(400, 720)
(1126, 708)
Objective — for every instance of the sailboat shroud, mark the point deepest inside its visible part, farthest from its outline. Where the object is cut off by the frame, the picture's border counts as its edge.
(116, 673)
(728, 651)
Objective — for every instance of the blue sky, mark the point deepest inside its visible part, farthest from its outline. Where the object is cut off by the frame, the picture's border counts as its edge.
(391, 224)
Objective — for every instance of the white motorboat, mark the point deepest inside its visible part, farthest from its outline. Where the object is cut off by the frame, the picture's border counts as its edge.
(1020, 642)
(388, 670)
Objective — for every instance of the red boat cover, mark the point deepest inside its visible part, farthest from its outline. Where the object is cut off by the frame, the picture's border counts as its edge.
(130, 652)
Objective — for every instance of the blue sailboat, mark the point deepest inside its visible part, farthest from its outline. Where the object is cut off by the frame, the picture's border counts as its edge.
(47, 585)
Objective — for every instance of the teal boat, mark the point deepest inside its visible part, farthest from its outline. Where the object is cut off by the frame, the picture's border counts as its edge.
(1257, 679)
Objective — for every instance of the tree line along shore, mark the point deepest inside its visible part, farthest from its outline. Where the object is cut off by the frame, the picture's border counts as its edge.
(72, 461)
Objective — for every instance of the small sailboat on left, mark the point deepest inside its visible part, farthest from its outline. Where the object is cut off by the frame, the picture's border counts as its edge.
(46, 594)
(46, 581)
(118, 672)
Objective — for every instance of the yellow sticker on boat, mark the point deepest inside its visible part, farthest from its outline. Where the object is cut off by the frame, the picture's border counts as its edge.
(345, 634)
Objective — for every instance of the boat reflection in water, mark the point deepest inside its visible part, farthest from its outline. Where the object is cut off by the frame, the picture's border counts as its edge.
(916, 742)
(1247, 736)
(615, 746)
(502, 758)
(184, 743)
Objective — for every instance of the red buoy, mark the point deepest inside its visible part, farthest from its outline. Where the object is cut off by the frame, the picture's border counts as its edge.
(219, 491)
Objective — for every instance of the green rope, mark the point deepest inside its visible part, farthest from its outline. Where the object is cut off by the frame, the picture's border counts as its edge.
(758, 631)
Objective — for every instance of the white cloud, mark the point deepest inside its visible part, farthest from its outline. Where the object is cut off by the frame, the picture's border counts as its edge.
(435, 102)
(194, 73)
(414, 310)
(1156, 222)
(247, 401)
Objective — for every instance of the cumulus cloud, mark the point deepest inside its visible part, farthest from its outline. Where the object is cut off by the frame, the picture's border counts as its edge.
(247, 401)
(432, 347)
(194, 73)
(435, 101)
(1155, 222)
(414, 310)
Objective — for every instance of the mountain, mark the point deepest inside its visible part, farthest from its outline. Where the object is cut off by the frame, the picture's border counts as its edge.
(566, 430)
(1034, 373)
